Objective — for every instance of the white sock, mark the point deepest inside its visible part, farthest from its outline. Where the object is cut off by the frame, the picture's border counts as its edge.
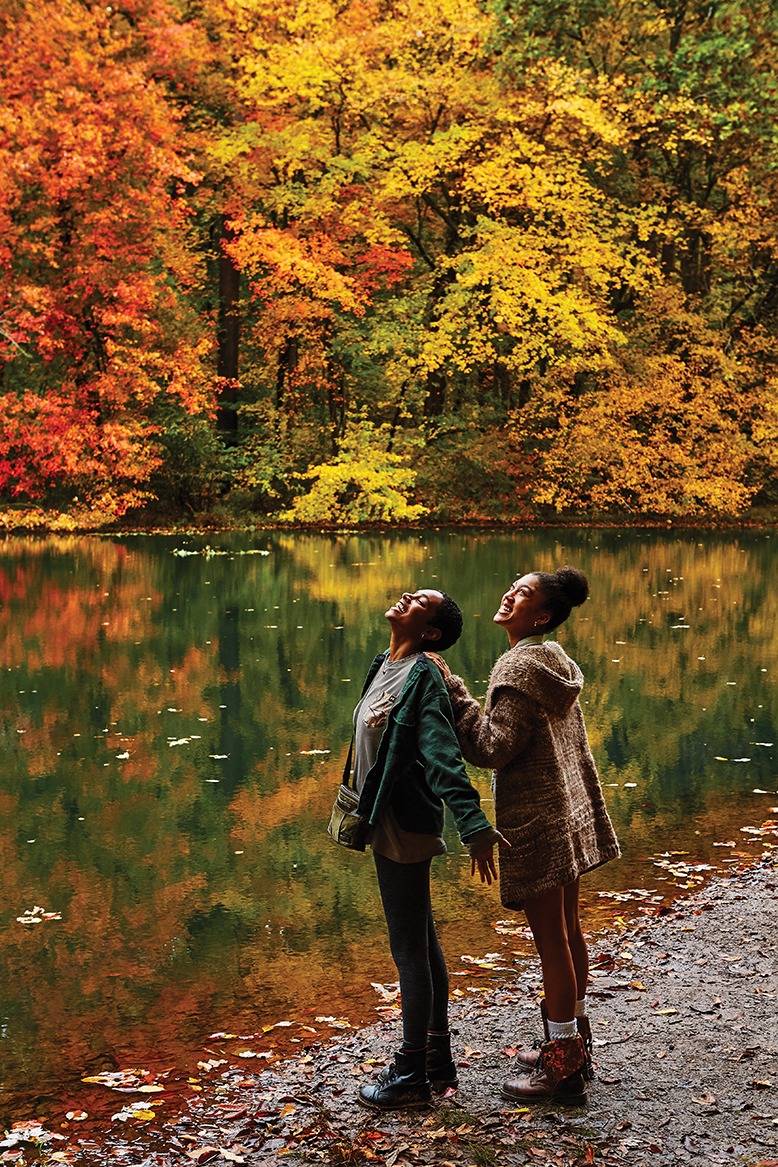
(559, 1029)
(580, 1007)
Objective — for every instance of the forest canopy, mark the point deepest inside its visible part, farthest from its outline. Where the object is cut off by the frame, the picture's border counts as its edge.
(379, 261)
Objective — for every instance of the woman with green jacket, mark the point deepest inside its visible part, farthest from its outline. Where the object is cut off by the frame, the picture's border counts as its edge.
(407, 764)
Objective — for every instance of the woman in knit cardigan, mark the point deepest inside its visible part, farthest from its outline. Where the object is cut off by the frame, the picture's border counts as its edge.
(549, 806)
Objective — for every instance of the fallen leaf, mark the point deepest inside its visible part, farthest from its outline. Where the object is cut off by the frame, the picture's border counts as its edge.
(37, 915)
(136, 1081)
(202, 1154)
(386, 992)
(134, 1110)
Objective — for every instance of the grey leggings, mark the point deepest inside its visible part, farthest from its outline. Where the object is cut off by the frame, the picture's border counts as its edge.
(405, 894)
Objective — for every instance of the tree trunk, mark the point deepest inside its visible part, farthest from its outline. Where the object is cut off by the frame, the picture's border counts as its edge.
(287, 363)
(229, 336)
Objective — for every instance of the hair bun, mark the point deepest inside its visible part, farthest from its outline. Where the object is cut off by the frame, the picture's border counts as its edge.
(574, 584)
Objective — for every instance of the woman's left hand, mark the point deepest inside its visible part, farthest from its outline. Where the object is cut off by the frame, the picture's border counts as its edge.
(438, 660)
(484, 861)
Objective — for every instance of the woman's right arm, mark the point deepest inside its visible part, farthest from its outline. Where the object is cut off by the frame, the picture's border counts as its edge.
(496, 738)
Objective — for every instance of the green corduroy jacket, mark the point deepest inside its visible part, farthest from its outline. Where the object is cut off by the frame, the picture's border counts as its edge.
(419, 766)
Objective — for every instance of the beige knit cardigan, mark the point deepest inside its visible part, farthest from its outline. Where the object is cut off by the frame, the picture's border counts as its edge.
(548, 799)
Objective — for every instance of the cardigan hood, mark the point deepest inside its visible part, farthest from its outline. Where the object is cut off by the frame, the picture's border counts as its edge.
(546, 671)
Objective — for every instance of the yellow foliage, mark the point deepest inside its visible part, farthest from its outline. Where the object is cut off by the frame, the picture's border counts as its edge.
(363, 484)
(664, 436)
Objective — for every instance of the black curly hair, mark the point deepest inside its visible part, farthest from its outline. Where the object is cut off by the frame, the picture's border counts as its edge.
(448, 620)
(562, 590)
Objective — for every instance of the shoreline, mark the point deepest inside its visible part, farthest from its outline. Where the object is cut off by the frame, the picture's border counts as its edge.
(683, 1007)
(212, 525)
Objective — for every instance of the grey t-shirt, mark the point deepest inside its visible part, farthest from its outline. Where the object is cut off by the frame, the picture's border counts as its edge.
(373, 709)
(388, 838)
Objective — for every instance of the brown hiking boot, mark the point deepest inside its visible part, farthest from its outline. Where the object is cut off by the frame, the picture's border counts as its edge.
(529, 1056)
(585, 1030)
(557, 1077)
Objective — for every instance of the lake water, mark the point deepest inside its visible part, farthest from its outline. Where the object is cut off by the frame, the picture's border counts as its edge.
(175, 716)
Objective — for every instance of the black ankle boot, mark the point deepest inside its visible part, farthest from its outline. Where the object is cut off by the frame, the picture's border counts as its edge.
(441, 1067)
(404, 1084)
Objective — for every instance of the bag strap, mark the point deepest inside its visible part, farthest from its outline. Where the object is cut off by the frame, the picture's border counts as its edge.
(347, 767)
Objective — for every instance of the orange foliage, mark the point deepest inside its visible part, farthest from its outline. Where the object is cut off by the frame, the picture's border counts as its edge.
(95, 255)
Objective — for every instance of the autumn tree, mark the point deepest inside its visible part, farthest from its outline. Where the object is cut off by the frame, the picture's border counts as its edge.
(685, 424)
(508, 258)
(423, 238)
(100, 349)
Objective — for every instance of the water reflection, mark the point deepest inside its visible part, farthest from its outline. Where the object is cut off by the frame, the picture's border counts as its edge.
(165, 774)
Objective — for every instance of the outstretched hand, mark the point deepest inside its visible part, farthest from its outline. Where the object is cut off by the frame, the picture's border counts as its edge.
(438, 660)
(484, 862)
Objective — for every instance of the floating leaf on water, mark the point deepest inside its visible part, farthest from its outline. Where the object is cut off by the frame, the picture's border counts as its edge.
(27, 1132)
(38, 915)
(632, 893)
(386, 992)
(335, 1022)
(134, 1110)
(509, 928)
(311, 753)
(135, 1081)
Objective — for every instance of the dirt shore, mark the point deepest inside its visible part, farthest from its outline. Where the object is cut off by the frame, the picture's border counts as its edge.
(684, 1011)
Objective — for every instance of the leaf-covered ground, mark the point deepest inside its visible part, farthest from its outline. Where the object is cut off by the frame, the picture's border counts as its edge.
(684, 1010)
